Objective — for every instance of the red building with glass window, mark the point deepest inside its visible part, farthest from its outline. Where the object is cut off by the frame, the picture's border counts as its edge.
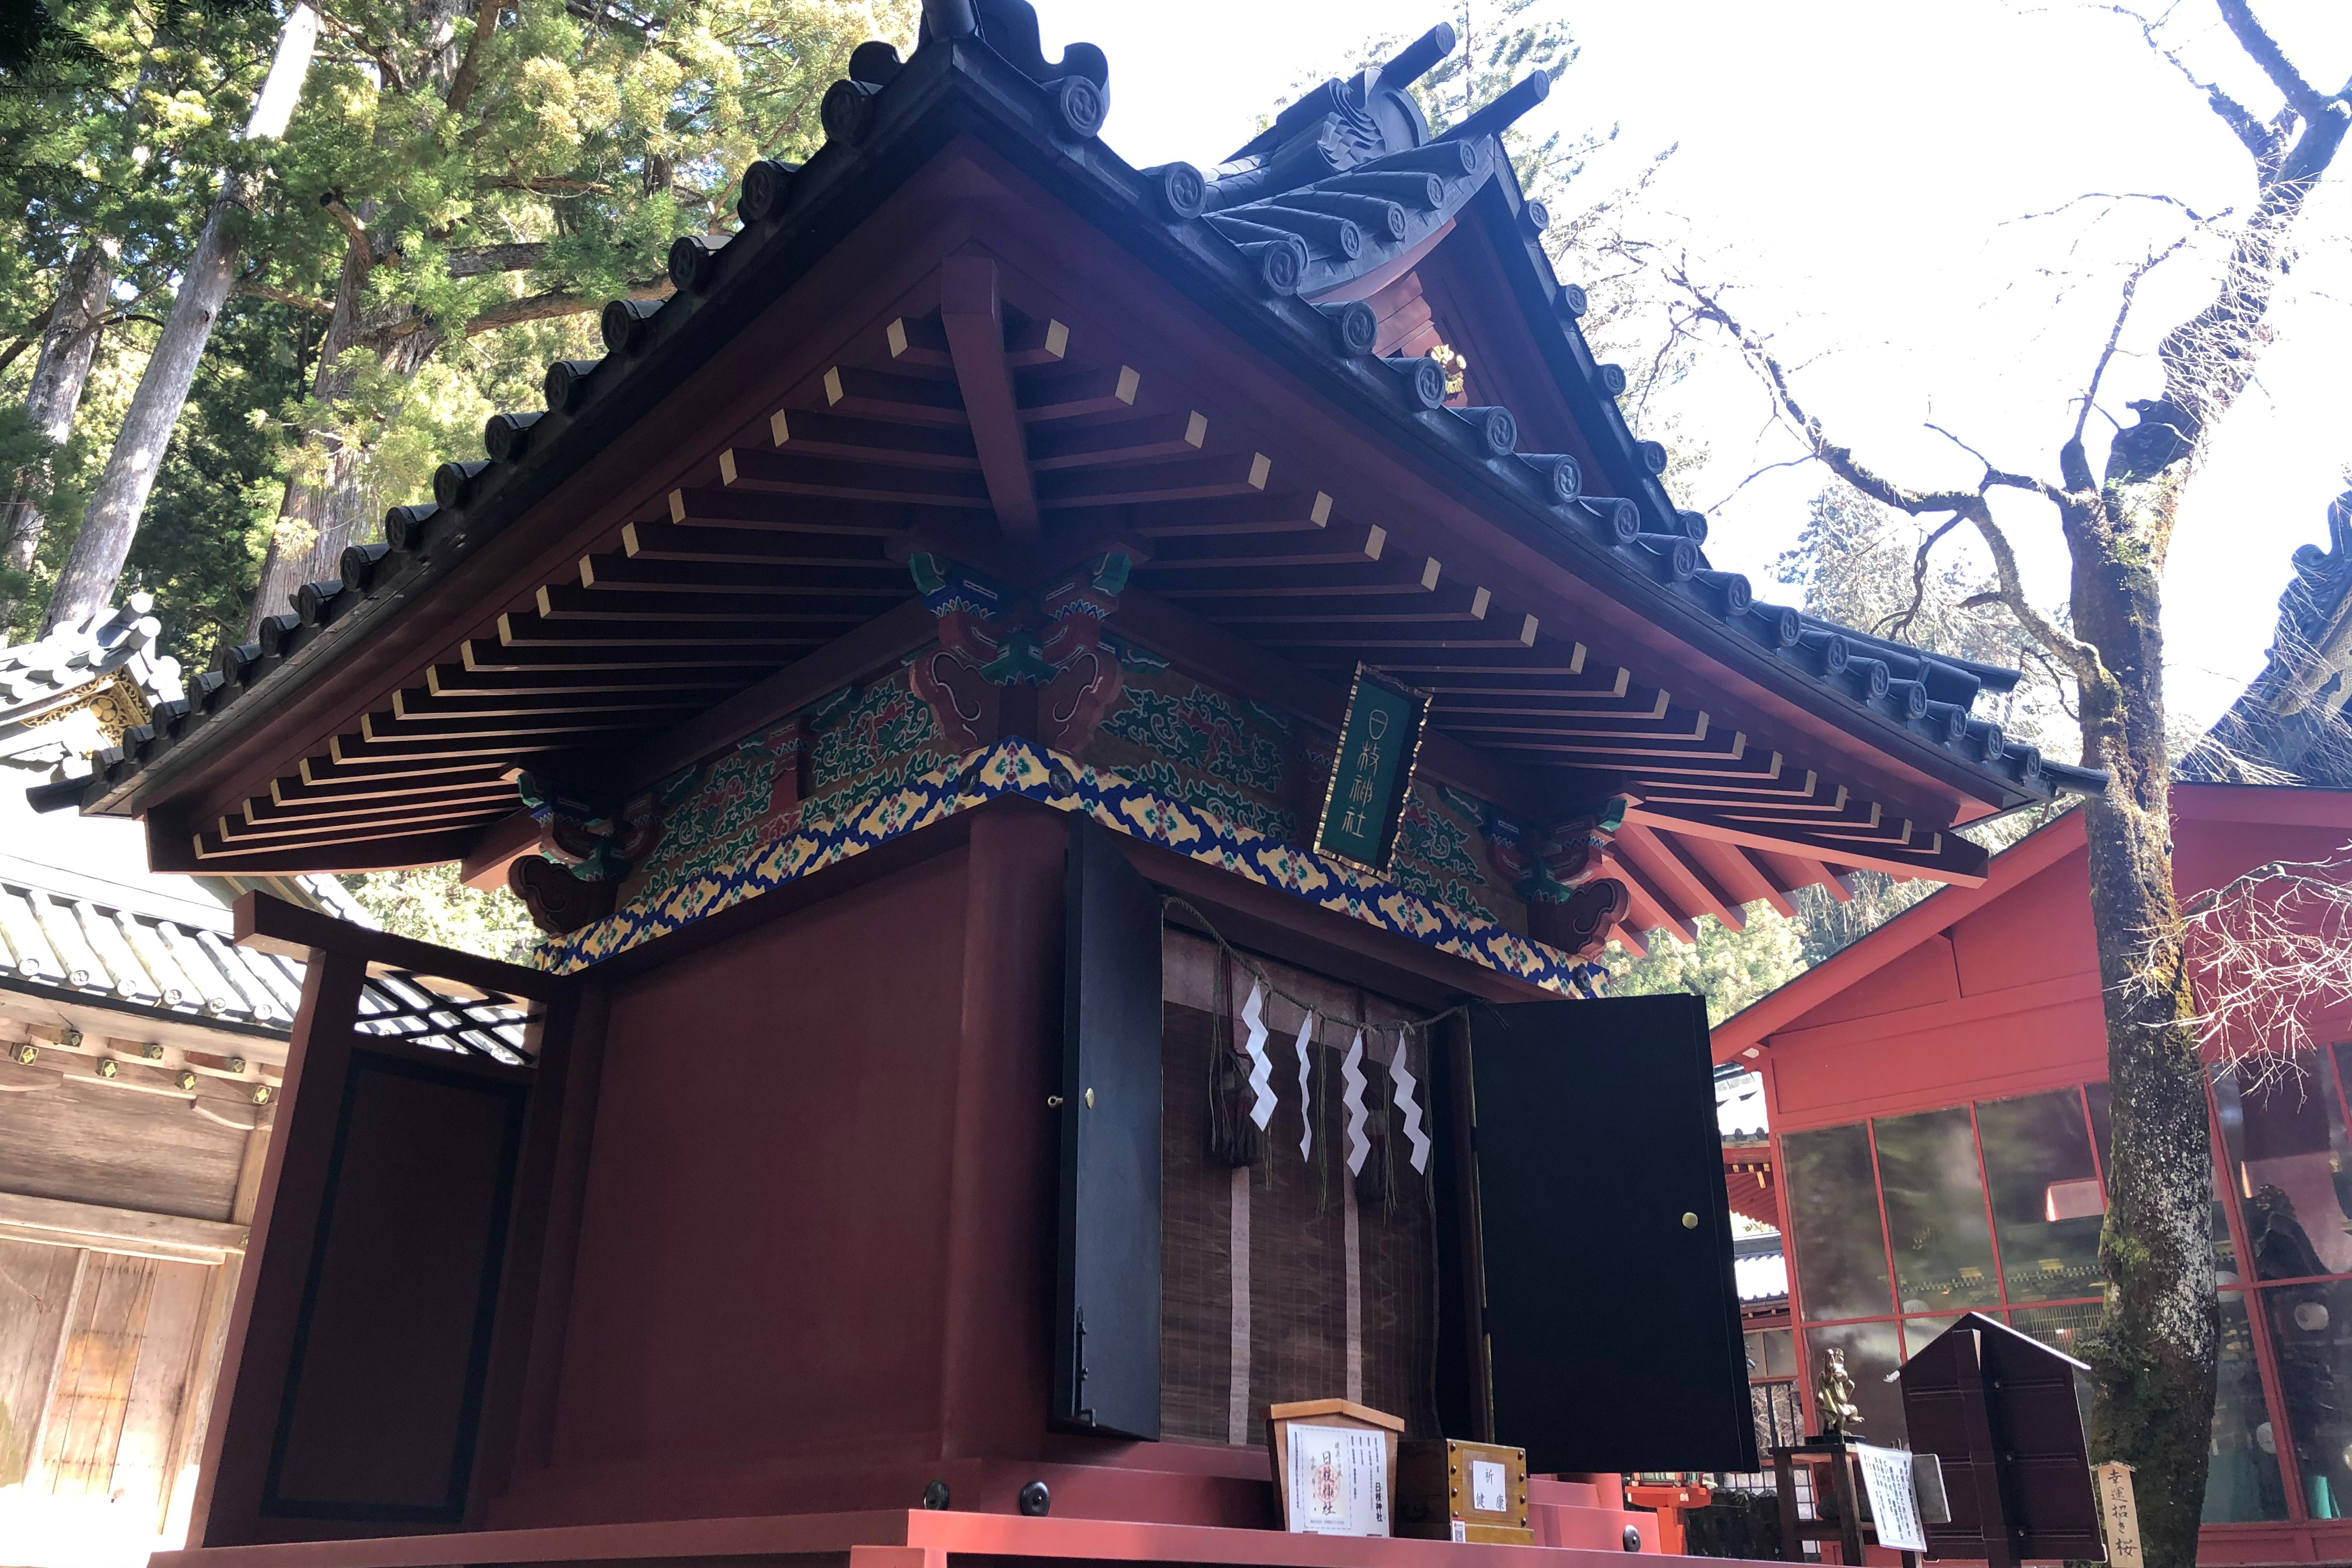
(1938, 1099)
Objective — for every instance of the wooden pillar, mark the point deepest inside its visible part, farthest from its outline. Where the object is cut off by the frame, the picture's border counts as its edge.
(186, 1450)
(1001, 1228)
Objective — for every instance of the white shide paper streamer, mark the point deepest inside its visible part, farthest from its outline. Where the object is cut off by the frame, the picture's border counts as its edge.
(1305, 1119)
(1261, 1079)
(1351, 1073)
(1402, 1076)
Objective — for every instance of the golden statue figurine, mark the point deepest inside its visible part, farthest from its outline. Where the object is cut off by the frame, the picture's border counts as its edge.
(1834, 1395)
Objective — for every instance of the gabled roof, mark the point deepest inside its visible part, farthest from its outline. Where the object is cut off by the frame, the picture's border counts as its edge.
(82, 687)
(1785, 744)
(2039, 850)
(2290, 725)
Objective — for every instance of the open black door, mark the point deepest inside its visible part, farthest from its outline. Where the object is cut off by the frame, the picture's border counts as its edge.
(1612, 1325)
(1107, 1314)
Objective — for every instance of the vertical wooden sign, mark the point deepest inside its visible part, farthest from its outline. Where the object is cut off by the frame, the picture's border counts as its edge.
(2119, 1513)
(1372, 776)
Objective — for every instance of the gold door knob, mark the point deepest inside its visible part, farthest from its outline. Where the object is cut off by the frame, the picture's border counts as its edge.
(1090, 1099)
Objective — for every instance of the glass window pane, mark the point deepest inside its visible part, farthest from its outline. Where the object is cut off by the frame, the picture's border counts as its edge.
(1833, 1220)
(2060, 1328)
(1770, 1353)
(2047, 1205)
(1870, 1356)
(2311, 1328)
(2243, 1483)
(1919, 1333)
(1936, 1212)
(2284, 1137)
(2225, 1254)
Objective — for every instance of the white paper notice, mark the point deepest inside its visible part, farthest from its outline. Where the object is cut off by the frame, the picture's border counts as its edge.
(1338, 1481)
(1894, 1507)
(1488, 1493)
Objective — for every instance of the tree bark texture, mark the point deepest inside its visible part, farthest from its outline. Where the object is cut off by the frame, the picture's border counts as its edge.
(69, 343)
(2154, 1352)
(339, 507)
(95, 563)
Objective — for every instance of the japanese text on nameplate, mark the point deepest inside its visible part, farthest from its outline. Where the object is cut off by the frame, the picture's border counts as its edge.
(1338, 1481)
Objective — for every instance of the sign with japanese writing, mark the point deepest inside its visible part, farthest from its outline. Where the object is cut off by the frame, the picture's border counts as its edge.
(2119, 1512)
(1338, 1481)
(1372, 773)
(1894, 1507)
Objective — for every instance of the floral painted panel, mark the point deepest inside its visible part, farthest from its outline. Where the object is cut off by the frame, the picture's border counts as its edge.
(862, 742)
(1019, 767)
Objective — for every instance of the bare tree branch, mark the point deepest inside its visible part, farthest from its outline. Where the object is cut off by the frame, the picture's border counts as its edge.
(258, 291)
(2269, 950)
(2115, 332)
(2264, 51)
(559, 302)
(357, 231)
(2262, 141)
(473, 261)
(469, 69)
(2106, 196)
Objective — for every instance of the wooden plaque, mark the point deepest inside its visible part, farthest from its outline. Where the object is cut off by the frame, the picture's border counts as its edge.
(1452, 1490)
(1347, 1415)
(1371, 772)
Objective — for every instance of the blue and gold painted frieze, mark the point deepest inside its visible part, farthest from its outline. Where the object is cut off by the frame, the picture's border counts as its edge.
(819, 837)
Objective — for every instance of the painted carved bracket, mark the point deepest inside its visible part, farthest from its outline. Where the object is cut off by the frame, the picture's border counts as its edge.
(991, 638)
(585, 847)
(1557, 871)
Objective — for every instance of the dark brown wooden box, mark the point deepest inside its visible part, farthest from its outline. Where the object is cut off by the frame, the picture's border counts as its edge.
(1434, 1497)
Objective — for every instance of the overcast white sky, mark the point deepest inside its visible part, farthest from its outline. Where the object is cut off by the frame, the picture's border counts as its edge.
(1854, 168)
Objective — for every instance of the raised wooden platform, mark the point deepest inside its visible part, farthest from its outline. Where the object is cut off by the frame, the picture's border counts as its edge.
(1570, 1532)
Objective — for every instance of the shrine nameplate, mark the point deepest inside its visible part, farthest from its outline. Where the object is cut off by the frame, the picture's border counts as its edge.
(1371, 775)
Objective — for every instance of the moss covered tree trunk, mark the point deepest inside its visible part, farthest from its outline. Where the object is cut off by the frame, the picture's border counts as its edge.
(2153, 1353)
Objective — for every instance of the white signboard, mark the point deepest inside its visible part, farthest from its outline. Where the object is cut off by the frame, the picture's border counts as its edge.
(1894, 1507)
(1489, 1490)
(1338, 1481)
(2119, 1512)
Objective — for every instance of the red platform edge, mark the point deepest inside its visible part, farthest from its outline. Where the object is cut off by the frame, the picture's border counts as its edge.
(920, 1538)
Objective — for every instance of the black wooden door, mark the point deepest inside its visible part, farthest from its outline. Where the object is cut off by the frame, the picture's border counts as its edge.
(1106, 1318)
(1612, 1325)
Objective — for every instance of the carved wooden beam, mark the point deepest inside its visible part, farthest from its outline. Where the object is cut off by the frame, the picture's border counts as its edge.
(973, 324)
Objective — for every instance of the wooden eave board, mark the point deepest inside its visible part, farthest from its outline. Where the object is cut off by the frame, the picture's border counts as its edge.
(888, 258)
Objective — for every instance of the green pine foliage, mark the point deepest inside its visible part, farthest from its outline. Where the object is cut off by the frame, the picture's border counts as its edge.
(432, 906)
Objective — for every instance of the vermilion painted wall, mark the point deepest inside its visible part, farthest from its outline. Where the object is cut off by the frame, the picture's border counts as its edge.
(1979, 995)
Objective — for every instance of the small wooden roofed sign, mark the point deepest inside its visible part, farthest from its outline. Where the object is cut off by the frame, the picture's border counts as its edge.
(1188, 410)
(1997, 1408)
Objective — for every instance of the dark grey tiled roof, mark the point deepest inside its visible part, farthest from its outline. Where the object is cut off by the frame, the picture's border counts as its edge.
(1337, 191)
(2294, 724)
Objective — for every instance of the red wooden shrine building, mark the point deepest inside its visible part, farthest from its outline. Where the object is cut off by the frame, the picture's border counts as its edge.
(907, 676)
(1938, 1103)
